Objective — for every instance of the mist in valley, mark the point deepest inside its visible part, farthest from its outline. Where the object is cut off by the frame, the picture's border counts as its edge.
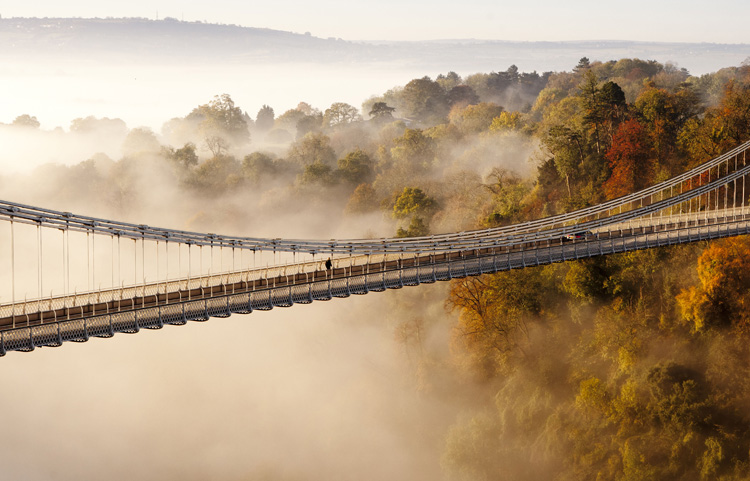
(513, 375)
(356, 388)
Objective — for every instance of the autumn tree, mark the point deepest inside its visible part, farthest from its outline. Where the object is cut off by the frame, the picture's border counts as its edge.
(507, 121)
(475, 118)
(722, 297)
(664, 114)
(364, 199)
(629, 160)
(720, 128)
(340, 113)
(734, 111)
(495, 314)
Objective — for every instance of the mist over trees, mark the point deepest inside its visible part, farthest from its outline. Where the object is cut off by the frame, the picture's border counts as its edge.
(631, 366)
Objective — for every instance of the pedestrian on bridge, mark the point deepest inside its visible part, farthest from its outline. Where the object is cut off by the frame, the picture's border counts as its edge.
(329, 264)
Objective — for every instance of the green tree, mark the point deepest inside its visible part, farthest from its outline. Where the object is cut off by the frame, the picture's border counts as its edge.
(414, 149)
(413, 202)
(591, 100)
(425, 100)
(583, 64)
(317, 173)
(462, 95)
(356, 167)
(381, 112)
(568, 148)
(417, 228)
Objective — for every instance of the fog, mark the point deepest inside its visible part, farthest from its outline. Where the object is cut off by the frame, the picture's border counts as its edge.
(313, 392)
(334, 390)
(148, 94)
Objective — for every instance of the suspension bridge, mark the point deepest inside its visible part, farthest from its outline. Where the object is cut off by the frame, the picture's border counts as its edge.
(90, 277)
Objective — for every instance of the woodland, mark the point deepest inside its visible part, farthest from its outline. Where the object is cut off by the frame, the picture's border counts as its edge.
(625, 367)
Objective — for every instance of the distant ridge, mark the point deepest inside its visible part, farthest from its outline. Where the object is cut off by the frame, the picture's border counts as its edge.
(155, 38)
(140, 39)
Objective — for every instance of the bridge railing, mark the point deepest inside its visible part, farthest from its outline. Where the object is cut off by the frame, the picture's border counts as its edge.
(662, 190)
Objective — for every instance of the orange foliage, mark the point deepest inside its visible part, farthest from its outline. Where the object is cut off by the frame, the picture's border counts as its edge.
(632, 169)
(723, 295)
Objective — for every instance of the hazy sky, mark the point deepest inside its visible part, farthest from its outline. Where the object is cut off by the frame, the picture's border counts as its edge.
(720, 21)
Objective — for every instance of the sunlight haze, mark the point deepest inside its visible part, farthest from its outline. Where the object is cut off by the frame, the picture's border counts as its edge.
(721, 21)
(528, 219)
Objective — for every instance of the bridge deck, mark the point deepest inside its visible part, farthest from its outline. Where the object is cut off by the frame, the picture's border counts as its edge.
(52, 327)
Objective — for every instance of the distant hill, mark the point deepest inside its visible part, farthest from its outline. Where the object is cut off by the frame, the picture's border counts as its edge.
(173, 40)
(168, 38)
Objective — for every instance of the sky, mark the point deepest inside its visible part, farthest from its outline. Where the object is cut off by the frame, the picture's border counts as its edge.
(718, 21)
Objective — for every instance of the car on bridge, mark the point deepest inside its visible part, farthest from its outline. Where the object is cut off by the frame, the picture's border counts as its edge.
(579, 235)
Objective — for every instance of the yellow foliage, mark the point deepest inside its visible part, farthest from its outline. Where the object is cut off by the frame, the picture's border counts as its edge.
(723, 295)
